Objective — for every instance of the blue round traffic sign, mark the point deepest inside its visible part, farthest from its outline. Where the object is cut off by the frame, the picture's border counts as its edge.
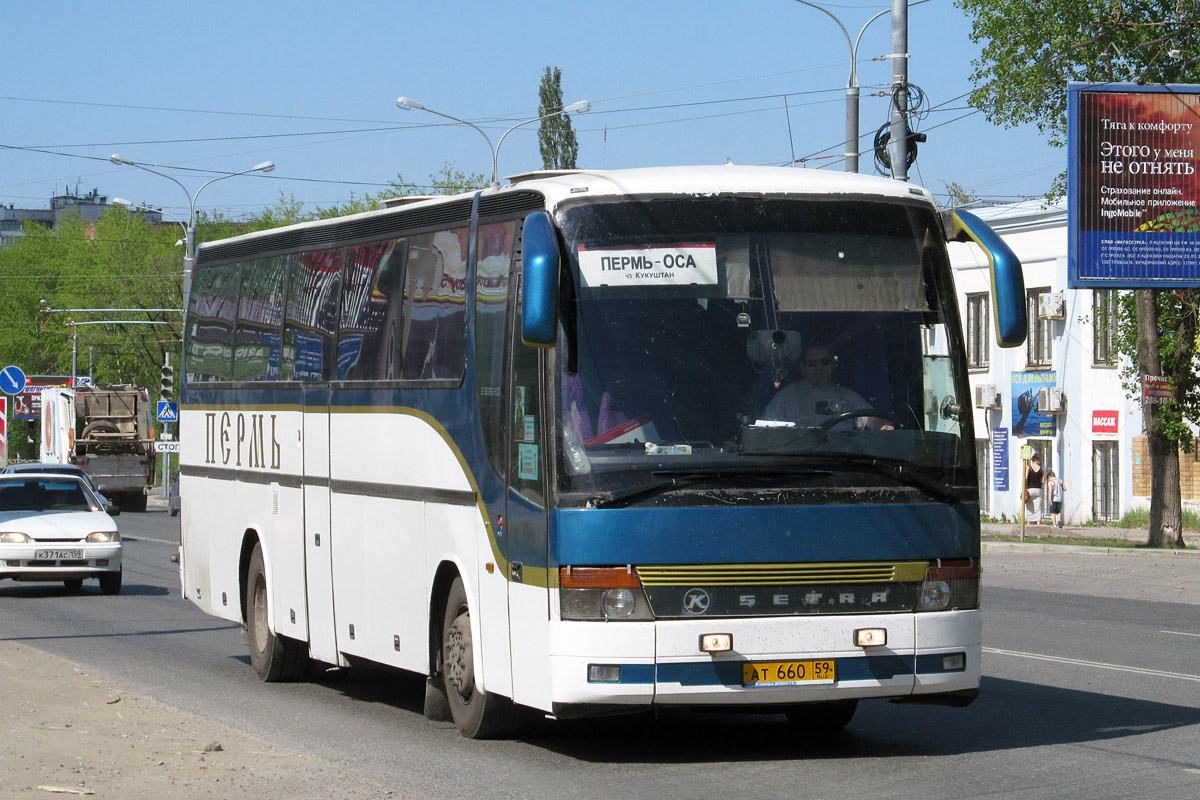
(12, 380)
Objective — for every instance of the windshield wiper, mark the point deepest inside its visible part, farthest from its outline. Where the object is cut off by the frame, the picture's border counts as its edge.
(894, 468)
(680, 479)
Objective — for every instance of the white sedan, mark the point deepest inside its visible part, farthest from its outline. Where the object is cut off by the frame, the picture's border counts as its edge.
(54, 528)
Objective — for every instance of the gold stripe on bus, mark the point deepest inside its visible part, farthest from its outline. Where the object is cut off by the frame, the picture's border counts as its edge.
(783, 574)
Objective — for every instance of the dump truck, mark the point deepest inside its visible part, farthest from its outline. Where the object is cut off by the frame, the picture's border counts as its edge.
(106, 431)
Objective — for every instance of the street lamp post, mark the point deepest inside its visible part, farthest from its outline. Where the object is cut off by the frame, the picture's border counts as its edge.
(583, 106)
(852, 87)
(189, 230)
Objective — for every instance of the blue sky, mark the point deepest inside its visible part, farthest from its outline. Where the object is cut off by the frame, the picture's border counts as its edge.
(209, 87)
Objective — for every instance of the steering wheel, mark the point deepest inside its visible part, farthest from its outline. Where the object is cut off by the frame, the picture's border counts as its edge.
(837, 419)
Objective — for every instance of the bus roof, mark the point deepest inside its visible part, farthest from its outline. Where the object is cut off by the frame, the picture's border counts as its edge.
(558, 186)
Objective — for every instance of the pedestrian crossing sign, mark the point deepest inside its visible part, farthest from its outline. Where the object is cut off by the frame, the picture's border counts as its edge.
(168, 411)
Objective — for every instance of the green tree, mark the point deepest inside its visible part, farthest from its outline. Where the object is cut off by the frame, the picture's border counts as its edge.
(1031, 51)
(556, 137)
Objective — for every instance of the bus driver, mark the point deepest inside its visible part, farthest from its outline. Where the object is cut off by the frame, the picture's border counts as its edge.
(816, 398)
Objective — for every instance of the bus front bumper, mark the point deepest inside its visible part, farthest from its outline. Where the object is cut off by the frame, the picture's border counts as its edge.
(599, 668)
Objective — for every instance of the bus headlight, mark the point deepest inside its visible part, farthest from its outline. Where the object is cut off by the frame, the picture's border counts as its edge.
(950, 584)
(601, 593)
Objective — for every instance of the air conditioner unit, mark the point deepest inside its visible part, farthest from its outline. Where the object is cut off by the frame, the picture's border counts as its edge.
(1051, 306)
(1051, 400)
(986, 396)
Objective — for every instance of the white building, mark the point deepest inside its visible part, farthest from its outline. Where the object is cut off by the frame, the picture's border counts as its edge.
(1061, 392)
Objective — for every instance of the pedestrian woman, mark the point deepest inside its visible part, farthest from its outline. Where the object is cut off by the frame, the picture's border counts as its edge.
(1058, 491)
(1033, 490)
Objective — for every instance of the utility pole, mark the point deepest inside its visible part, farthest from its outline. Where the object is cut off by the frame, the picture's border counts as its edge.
(898, 141)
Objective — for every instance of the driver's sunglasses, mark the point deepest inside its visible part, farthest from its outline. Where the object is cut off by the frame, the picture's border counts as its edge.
(819, 362)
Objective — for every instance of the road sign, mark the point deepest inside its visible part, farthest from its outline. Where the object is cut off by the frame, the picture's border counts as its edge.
(12, 380)
(168, 412)
(166, 447)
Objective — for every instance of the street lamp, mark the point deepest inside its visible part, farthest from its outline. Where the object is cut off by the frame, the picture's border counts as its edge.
(121, 201)
(852, 88)
(583, 106)
(189, 230)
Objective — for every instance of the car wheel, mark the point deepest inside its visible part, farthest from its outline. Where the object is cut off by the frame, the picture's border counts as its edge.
(110, 582)
(274, 657)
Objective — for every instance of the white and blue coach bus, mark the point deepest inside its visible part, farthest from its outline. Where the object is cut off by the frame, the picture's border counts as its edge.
(522, 441)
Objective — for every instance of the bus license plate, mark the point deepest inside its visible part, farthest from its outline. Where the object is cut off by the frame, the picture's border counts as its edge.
(58, 555)
(787, 673)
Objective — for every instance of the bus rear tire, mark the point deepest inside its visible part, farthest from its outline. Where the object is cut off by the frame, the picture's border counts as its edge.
(823, 717)
(274, 657)
(476, 714)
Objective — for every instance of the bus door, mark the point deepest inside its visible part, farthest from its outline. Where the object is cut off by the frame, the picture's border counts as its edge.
(526, 524)
(318, 544)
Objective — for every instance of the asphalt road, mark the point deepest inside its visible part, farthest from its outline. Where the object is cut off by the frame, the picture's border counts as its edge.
(1091, 689)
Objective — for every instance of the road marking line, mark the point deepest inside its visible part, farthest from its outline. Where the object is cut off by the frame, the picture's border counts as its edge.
(136, 538)
(1180, 633)
(1098, 664)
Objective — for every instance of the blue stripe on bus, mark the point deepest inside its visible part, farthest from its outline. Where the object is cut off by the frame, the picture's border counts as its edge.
(729, 673)
(765, 534)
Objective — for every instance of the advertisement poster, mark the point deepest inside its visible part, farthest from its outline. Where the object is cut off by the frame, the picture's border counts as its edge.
(1134, 187)
(1027, 418)
(1000, 459)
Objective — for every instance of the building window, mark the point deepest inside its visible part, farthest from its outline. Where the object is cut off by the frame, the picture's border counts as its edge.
(1105, 483)
(1104, 326)
(977, 331)
(983, 460)
(1038, 343)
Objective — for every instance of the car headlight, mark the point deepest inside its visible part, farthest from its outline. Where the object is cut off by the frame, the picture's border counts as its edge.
(12, 537)
(99, 537)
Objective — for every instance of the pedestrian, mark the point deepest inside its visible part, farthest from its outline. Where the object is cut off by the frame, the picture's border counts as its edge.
(1033, 490)
(1058, 491)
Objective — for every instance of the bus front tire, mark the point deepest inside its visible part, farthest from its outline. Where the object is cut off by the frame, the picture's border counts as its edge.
(476, 714)
(274, 657)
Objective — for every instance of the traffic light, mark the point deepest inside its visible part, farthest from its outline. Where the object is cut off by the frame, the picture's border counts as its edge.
(166, 389)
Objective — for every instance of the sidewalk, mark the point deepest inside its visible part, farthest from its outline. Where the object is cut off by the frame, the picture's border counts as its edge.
(992, 532)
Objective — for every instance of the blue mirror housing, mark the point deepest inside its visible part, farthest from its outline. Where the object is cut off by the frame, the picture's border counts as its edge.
(540, 260)
(1008, 280)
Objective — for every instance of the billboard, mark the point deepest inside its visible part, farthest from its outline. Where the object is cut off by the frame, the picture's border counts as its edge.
(1133, 185)
(1028, 419)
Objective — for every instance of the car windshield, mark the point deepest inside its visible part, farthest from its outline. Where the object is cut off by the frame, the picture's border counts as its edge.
(758, 335)
(43, 494)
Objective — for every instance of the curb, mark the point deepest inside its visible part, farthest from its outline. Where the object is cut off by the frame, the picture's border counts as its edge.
(1087, 550)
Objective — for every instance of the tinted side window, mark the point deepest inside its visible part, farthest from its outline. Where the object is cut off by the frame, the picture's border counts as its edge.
(494, 249)
(258, 342)
(372, 305)
(310, 328)
(435, 290)
(211, 314)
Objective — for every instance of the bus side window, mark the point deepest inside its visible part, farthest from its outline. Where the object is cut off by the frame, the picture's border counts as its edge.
(312, 314)
(211, 319)
(493, 248)
(258, 337)
(435, 291)
(370, 309)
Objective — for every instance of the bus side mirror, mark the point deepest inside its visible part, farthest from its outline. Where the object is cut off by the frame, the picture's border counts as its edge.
(539, 301)
(1008, 281)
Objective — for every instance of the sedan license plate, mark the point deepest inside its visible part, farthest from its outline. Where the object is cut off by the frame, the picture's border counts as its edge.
(787, 673)
(58, 555)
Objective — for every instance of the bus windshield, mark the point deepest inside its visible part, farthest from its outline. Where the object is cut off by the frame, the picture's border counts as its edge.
(759, 336)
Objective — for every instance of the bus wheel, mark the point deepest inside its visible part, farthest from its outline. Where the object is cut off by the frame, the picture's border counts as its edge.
(828, 717)
(274, 657)
(476, 714)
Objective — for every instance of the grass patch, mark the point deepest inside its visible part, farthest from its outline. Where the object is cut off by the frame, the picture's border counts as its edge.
(1088, 541)
(1141, 519)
